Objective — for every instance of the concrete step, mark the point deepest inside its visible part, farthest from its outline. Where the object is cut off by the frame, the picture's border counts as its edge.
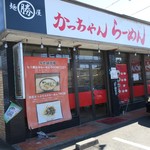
(86, 144)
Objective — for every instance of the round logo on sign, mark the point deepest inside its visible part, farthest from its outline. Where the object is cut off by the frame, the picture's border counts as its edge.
(26, 9)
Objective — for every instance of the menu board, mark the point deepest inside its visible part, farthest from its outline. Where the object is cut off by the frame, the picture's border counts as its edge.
(46, 82)
(123, 88)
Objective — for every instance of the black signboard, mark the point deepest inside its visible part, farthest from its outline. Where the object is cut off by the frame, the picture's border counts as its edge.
(26, 15)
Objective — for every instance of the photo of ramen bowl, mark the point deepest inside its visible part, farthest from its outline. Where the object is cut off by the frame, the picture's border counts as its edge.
(47, 84)
(49, 111)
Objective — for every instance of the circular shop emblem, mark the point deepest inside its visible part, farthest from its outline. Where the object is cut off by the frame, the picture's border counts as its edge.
(26, 9)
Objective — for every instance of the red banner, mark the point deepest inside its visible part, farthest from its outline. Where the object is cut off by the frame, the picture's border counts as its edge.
(123, 88)
(46, 82)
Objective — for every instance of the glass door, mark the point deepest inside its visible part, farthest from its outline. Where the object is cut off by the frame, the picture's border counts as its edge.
(92, 93)
(137, 77)
(98, 90)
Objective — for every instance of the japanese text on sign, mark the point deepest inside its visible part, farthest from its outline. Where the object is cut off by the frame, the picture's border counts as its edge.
(62, 23)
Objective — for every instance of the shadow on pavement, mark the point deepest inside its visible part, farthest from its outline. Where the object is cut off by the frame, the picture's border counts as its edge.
(5, 146)
(144, 121)
(102, 147)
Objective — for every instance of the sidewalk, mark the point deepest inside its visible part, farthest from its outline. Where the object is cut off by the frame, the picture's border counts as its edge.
(78, 133)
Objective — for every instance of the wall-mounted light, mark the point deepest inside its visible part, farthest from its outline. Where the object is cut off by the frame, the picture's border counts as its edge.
(42, 46)
(135, 54)
(5, 44)
(74, 48)
(99, 51)
(148, 55)
(119, 53)
(59, 46)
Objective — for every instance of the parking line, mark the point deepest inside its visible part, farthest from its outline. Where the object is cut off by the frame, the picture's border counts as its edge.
(131, 143)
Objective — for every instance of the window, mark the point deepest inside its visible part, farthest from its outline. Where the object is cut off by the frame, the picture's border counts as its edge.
(147, 69)
(136, 69)
(88, 55)
(51, 52)
(137, 77)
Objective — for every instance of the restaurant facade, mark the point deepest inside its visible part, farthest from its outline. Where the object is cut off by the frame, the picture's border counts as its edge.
(64, 63)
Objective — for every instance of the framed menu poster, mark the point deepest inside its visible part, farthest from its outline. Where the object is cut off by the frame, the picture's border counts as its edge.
(46, 91)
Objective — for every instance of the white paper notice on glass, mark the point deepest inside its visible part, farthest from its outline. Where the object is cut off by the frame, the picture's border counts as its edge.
(114, 73)
(136, 77)
(49, 111)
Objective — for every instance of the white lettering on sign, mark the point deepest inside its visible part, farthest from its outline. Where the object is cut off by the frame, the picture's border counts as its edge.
(25, 9)
(136, 68)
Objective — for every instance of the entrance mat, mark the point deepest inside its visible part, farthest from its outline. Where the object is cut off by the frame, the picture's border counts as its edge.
(111, 120)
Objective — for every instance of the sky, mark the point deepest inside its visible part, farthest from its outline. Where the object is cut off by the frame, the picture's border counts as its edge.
(135, 8)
